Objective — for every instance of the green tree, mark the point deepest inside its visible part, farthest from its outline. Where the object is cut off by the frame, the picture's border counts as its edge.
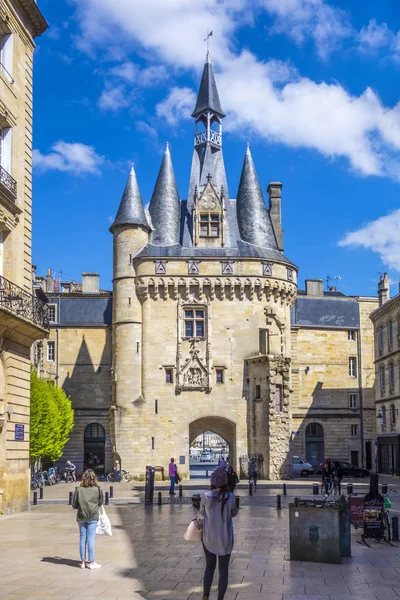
(51, 420)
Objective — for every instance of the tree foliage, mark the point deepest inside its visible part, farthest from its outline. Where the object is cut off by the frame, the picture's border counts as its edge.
(51, 420)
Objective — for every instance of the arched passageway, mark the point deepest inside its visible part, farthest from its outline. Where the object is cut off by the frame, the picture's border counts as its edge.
(94, 448)
(219, 425)
(314, 443)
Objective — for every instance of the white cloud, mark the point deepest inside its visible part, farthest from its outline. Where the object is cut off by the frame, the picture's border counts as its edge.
(179, 104)
(381, 236)
(75, 158)
(374, 37)
(301, 20)
(147, 129)
(147, 77)
(114, 98)
(270, 99)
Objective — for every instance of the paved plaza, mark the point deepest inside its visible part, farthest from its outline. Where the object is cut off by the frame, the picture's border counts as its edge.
(147, 557)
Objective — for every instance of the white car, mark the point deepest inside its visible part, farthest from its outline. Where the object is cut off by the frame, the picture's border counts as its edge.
(301, 467)
(205, 457)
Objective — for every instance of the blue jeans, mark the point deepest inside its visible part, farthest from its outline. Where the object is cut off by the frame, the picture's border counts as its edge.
(87, 530)
(172, 486)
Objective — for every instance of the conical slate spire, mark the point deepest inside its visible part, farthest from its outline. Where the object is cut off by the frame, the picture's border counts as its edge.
(165, 206)
(253, 218)
(208, 97)
(131, 211)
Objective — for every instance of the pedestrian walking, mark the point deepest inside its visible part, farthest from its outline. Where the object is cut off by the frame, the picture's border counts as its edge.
(217, 506)
(222, 463)
(117, 470)
(338, 473)
(87, 499)
(172, 475)
(233, 479)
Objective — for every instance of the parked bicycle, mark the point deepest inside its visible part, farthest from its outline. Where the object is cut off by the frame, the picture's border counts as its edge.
(125, 476)
(37, 480)
(330, 489)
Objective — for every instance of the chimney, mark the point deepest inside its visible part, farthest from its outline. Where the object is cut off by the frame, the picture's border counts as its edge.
(90, 283)
(383, 289)
(56, 286)
(315, 287)
(49, 281)
(274, 192)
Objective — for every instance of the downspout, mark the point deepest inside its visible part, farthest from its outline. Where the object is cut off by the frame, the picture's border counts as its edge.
(360, 393)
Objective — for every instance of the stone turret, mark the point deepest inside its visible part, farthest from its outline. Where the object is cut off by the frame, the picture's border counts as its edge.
(165, 206)
(383, 289)
(253, 218)
(131, 233)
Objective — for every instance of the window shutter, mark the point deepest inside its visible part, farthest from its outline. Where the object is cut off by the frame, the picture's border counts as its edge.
(6, 161)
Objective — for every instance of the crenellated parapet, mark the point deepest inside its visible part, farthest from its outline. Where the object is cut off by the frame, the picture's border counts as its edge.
(220, 288)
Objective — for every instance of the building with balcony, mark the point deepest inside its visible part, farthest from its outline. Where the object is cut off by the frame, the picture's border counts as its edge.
(22, 314)
(386, 321)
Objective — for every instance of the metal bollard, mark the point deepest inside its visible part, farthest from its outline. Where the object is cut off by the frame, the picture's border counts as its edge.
(106, 499)
(384, 488)
(111, 491)
(315, 488)
(41, 493)
(278, 502)
(180, 491)
(284, 489)
(395, 529)
(34, 498)
(250, 489)
(349, 488)
(70, 498)
(237, 498)
(159, 498)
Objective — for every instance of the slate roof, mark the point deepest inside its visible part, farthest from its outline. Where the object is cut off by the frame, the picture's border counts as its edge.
(83, 311)
(208, 97)
(165, 207)
(131, 211)
(324, 312)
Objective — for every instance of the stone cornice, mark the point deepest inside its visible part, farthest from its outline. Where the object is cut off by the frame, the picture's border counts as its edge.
(386, 309)
(38, 22)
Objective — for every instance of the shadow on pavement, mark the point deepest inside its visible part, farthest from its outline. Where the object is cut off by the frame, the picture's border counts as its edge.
(58, 560)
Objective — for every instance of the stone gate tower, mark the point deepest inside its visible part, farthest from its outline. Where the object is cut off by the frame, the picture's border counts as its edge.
(201, 317)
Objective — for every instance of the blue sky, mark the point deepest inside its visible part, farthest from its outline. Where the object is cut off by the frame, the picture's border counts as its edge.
(311, 84)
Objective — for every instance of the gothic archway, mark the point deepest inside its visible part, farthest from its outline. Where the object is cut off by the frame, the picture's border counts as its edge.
(219, 425)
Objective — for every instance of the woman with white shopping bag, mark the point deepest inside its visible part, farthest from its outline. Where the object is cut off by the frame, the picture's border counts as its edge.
(88, 498)
(217, 506)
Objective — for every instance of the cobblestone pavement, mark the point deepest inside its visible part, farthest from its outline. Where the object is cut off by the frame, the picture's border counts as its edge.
(147, 557)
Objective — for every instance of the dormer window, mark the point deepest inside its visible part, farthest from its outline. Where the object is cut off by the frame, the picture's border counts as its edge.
(209, 225)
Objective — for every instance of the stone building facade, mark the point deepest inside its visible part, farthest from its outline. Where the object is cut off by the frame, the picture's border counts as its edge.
(22, 315)
(332, 403)
(208, 331)
(386, 322)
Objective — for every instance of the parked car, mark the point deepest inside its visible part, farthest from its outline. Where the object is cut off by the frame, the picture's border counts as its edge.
(205, 457)
(301, 467)
(348, 469)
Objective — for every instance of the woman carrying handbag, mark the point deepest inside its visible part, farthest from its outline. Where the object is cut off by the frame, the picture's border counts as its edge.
(87, 499)
(217, 507)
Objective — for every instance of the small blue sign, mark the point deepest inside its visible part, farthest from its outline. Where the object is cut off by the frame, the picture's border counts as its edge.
(19, 432)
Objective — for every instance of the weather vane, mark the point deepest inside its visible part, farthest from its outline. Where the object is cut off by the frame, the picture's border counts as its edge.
(209, 34)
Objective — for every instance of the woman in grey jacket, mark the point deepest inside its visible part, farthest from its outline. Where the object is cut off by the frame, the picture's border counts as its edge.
(87, 499)
(218, 506)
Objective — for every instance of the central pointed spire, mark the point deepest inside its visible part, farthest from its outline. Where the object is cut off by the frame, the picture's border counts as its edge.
(208, 97)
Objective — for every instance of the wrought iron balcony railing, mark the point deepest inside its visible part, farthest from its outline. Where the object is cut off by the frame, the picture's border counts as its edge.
(8, 181)
(22, 304)
(213, 136)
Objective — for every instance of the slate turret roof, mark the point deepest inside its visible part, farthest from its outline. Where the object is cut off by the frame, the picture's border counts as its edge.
(131, 211)
(165, 206)
(254, 222)
(208, 97)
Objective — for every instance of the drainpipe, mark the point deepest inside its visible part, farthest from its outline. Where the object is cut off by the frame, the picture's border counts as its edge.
(360, 394)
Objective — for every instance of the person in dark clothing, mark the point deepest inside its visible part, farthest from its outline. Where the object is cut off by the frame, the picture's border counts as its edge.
(233, 479)
(327, 475)
(338, 473)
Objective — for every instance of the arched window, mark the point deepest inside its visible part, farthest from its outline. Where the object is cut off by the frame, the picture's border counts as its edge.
(380, 339)
(314, 443)
(390, 333)
(393, 416)
(382, 378)
(94, 443)
(391, 376)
